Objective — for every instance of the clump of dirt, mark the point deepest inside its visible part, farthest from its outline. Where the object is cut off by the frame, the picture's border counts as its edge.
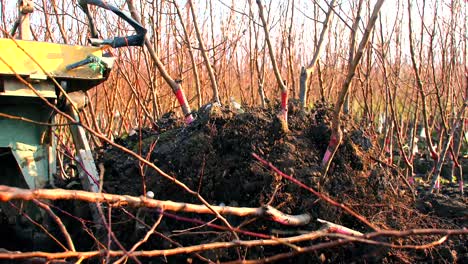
(213, 156)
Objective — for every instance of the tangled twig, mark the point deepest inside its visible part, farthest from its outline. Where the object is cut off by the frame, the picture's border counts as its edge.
(316, 193)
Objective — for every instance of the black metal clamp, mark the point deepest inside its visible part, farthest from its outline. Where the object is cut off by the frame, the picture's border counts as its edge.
(90, 59)
(117, 42)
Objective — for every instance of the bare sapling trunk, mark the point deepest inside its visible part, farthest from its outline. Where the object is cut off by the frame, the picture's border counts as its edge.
(389, 140)
(419, 83)
(352, 48)
(456, 168)
(175, 85)
(59, 24)
(446, 77)
(407, 158)
(446, 146)
(290, 51)
(260, 70)
(251, 56)
(307, 71)
(261, 75)
(201, 45)
(192, 57)
(413, 143)
(337, 135)
(283, 115)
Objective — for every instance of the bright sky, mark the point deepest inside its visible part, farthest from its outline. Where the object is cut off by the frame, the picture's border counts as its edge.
(303, 25)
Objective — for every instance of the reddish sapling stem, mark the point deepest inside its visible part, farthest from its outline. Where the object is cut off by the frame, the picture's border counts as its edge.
(388, 149)
(387, 144)
(185, 106)
(331, 146)
(200, 222)
(437, 184)
(454, 159)
(411, 180)
(284, 105)
(284, 101)
(390, 153)
(460, 185)
(189, 119)
(327, 156)
(434, 169)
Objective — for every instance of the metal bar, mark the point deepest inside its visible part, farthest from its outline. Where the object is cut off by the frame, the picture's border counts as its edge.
(117, 42)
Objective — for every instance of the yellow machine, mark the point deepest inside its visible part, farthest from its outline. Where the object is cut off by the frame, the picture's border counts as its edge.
(35, 78)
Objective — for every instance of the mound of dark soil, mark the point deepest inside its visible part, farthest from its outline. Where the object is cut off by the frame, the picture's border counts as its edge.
(213, 156)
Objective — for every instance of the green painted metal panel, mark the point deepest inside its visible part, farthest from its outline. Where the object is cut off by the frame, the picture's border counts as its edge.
(33, 163)
(27, 140)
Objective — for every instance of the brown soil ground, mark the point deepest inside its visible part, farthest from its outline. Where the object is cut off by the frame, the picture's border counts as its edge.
(214, 156)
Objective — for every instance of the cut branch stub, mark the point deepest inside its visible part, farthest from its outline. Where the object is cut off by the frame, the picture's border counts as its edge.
(285, 219)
